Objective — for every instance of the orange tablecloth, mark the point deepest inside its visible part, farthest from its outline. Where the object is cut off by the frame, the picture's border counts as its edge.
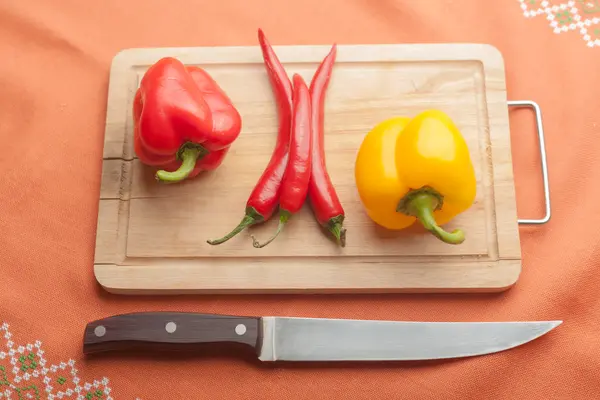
(54, 75)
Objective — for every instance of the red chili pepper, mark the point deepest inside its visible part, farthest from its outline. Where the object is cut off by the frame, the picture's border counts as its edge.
(297, 174)
(264, 198)
(322, 196)
(184, 122)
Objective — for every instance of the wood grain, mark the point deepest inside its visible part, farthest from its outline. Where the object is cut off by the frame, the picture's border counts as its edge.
(152, 238)
(168, 330)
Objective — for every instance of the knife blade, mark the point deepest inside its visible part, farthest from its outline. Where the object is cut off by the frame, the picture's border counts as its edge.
(314, 339)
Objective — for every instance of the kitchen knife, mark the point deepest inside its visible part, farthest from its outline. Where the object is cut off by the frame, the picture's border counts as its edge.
(314, 339)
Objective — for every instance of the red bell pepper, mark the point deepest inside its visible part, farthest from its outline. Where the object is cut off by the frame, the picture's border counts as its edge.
(184, 123)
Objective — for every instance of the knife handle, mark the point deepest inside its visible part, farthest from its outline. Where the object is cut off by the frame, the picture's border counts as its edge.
(162, 329)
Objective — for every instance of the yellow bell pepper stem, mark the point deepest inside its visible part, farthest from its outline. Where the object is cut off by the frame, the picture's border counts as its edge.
(421, 203)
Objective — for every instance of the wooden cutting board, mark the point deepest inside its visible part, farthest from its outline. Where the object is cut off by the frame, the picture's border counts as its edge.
(151, 237)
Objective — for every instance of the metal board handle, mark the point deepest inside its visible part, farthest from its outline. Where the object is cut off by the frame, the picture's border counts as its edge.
(540, 132)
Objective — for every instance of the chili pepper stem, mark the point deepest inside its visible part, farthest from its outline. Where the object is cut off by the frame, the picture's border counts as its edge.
(250, 218)
(335, 227)
(421, 203)
(188, 155)
(283, 218)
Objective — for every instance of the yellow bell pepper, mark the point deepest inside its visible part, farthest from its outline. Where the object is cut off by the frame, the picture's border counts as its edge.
(416, 169)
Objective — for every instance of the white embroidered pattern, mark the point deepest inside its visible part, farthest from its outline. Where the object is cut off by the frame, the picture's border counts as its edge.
(579, 16)
(25, 374)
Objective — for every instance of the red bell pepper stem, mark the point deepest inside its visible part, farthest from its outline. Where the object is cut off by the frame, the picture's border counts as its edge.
(263, 200)
(189, 155)
(322, 196)
(297, 174)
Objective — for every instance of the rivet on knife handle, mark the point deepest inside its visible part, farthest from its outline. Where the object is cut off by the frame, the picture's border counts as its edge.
(159, 329)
